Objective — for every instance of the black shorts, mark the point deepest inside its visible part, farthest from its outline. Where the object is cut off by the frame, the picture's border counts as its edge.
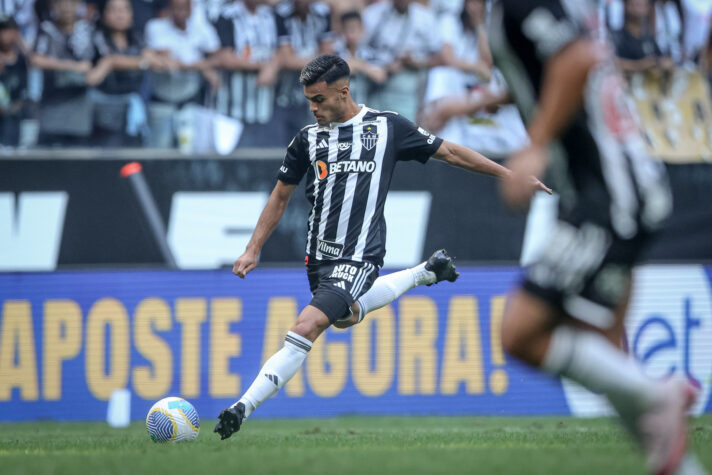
(585, 271)
(335, 285)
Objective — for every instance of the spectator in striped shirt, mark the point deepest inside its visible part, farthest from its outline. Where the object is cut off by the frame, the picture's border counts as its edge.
(248, 42)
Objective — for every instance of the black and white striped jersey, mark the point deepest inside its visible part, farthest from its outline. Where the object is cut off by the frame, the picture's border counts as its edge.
(348, 168)
(252, 36)
(600, 164)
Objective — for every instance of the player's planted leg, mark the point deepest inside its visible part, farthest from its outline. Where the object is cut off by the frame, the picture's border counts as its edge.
(387, 288)
(276, 372)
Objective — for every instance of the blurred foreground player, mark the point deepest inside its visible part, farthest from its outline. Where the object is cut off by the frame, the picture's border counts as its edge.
(570, 307)
(348, 157)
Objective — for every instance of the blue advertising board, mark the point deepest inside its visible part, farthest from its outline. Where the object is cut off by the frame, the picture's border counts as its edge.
(69, 339)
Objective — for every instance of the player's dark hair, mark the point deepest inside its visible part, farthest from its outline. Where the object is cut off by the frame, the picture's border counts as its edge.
(351, 15)
(327, 67)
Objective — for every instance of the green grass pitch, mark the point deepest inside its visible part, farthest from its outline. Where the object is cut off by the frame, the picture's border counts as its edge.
(339, 446)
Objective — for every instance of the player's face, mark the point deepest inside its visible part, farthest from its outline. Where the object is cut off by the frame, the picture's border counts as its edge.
(327, 101)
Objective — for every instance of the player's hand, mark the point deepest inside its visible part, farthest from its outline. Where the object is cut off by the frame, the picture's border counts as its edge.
(518, 189)
(245, 263)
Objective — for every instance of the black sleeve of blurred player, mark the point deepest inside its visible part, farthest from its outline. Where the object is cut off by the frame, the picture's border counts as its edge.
(538, 19)
(296, 161)
(413, 142)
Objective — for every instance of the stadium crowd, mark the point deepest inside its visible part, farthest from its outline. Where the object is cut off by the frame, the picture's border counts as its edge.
(122, 73)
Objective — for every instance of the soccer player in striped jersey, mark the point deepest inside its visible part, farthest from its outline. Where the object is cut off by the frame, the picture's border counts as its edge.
(348, 157)
(567, 316)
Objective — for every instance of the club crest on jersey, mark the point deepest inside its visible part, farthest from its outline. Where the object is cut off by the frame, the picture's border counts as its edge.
(369, 137)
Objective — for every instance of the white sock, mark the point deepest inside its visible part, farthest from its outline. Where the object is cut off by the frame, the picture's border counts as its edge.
(592, 361)
(389, 287)
(277, 370)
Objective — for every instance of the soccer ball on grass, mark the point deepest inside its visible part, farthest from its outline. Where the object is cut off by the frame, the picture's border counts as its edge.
(172, 419)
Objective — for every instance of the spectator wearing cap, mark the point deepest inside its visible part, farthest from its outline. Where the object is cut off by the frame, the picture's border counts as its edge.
(64, 52)
(303, 32)
(248, 41)
(406, 33)
(364, 62)
(188, 43)
(13, 82)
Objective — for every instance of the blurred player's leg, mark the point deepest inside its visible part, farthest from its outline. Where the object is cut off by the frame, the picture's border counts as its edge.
(653, 412)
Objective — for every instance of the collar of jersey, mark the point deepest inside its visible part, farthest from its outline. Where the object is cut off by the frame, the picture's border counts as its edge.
(352, 120)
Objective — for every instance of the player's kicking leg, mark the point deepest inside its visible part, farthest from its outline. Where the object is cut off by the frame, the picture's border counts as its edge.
(439, 267)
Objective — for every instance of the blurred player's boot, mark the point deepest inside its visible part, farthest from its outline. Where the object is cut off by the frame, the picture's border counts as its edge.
(691, 465)
(389, 287)
(653, 413)
(663, 430)
(230, 420)
(442, 266)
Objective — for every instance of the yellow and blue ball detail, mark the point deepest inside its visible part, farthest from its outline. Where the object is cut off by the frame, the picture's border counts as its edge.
(161, 426)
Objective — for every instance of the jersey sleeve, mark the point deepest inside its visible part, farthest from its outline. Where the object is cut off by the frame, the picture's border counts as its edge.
(413, 142)
(295, 163)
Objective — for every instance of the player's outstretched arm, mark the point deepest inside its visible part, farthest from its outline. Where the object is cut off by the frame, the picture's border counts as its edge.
(274, 209)
(468, 159)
